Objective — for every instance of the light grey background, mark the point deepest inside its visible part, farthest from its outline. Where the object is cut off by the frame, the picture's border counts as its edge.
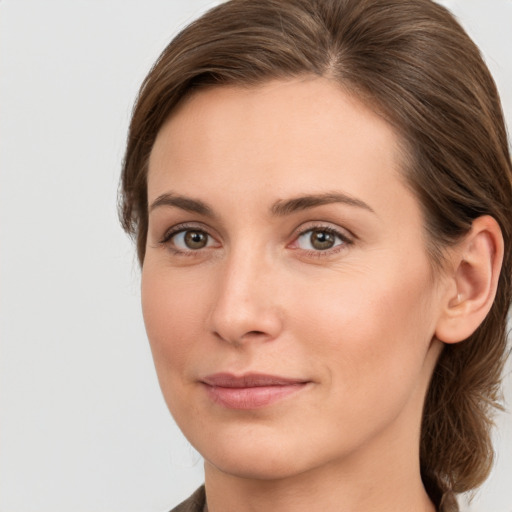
(83, 424)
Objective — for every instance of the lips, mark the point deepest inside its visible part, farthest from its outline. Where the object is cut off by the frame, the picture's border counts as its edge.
(250, 391)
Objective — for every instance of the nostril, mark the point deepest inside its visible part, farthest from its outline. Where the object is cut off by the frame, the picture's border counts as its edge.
(246, 337)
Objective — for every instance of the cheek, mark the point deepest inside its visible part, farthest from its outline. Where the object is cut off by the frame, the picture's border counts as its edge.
(173, 317)
(371, 331)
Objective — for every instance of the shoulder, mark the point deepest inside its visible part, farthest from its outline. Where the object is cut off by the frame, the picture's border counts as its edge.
(195, 503)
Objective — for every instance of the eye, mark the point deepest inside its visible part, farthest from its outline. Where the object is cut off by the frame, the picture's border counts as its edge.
(320, 239)
(186, 240)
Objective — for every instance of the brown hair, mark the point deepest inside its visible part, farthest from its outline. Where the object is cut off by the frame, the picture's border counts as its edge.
(413, 63)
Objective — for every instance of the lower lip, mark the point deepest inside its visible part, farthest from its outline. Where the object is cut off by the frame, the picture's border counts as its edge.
(253, 397)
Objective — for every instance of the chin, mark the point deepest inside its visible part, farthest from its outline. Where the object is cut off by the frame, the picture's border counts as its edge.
(258, 465)
(259, 453)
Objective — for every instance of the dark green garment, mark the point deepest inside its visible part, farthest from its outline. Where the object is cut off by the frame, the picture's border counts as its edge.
(195, 503)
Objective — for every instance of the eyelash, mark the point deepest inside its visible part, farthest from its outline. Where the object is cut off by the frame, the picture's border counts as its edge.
(181, 228)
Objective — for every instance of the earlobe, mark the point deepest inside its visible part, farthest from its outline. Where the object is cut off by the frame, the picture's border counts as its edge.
(477, 261)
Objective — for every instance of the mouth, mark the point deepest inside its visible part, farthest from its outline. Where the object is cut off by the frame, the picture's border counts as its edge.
(251, 390)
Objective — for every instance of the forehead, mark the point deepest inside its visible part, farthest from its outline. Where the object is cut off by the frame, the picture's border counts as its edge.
(291, 136)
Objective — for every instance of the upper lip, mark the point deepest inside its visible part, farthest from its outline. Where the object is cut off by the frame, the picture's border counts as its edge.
(249, 380)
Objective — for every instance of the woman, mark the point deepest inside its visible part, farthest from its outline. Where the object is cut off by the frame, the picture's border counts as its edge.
(321, 191)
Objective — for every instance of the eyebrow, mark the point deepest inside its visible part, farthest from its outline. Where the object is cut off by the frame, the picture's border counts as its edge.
(286, 207)
(185, 203)
(280, 208)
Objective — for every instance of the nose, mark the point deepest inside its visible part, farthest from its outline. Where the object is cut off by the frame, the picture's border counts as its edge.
(246, 305)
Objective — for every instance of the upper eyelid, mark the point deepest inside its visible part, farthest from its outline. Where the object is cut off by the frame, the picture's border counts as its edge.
(328, 226)
(185, 226)
(331, 231)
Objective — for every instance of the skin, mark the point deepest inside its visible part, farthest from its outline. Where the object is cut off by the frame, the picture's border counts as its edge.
(357, 321)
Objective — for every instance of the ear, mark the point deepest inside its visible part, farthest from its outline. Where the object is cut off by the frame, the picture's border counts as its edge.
(472, 282)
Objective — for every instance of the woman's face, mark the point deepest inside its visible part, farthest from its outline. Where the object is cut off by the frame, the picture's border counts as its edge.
(287, 293)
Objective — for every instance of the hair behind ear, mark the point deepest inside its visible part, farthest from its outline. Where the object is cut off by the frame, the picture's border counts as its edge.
(467, 376)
